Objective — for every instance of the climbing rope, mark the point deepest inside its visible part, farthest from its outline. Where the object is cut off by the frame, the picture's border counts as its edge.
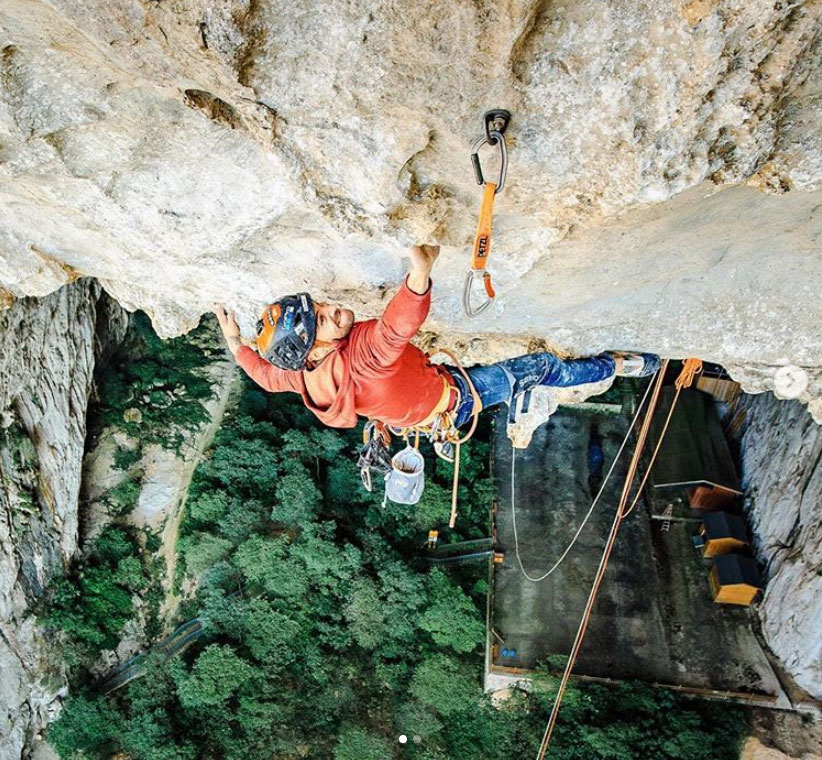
(689, 370)
(590, 510)
(475, 410)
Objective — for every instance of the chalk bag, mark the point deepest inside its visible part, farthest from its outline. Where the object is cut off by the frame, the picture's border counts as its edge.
(406, 481)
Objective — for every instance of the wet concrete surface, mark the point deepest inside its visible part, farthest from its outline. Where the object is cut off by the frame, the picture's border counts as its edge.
(654, 619)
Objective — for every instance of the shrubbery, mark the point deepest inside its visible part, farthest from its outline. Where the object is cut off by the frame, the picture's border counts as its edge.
(161, 383)
(93, 603)
(325, 634)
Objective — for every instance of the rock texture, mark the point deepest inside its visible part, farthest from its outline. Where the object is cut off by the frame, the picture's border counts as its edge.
(664, 185)
(755, 750)
(781, 455)
(664, 193)
(46, 368)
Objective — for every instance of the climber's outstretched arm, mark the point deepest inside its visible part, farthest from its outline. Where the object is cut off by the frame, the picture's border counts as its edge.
(385, 339)
(230, 328)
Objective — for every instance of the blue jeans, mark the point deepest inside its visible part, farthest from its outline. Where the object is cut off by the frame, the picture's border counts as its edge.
(501, 382)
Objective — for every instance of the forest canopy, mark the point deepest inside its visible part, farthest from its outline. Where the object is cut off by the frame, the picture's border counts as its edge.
(324, 633)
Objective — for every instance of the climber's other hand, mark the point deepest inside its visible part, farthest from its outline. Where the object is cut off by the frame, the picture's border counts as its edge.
(229, 326)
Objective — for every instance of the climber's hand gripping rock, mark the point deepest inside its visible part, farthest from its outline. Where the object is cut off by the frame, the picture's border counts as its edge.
(422, 262)
(231, 330)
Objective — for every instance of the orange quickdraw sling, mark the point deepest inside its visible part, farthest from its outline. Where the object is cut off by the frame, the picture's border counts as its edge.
(496, 122)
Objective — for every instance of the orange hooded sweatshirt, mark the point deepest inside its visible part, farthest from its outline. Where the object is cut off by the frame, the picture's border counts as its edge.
(373, 372)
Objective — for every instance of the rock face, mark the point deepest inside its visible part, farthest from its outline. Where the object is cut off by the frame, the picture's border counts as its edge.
(46, 367)
(663, 191)
(781, 455)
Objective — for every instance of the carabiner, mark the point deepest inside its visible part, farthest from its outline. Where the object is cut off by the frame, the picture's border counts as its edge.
(492, 136)
(466, 292)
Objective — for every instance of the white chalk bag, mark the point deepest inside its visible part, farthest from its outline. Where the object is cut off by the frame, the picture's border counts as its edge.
(406, 481)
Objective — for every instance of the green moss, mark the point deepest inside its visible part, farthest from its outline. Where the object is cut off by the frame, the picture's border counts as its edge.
(125, 459)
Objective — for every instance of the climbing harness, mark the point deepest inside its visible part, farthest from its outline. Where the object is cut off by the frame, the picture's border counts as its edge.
(404, 473)
(590, 509)
(495, 122)
(690, 368)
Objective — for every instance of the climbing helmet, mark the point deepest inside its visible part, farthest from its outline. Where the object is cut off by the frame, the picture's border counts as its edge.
(286, 331)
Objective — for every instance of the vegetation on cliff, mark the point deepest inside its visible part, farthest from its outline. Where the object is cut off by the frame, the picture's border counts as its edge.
(155, 390)
(327, 636)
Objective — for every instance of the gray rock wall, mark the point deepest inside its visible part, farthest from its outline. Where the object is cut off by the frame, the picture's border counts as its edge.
(664, 187)
(781, 455)
(47, 358)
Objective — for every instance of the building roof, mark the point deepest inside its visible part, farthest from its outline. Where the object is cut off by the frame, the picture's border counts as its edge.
(735, 569)
(725, 525)
(694, 451)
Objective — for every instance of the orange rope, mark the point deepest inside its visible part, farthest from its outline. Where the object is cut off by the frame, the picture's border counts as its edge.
(686, 377)
(690, 369)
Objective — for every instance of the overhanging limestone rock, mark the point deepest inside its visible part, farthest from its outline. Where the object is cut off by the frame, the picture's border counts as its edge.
(189, 153)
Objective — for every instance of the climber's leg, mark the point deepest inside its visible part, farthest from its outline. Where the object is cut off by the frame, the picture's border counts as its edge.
(501, 382)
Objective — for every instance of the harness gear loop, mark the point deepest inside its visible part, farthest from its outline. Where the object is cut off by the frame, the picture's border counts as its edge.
(374, 453)
(441, 432)
(479, 257)
(475, 409)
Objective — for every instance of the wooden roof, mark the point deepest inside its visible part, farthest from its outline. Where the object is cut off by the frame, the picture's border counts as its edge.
(694, 452)
(735, 569)
(725, 525)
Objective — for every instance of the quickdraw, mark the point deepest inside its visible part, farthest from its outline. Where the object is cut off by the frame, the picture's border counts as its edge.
(374, 453)
(496, 122)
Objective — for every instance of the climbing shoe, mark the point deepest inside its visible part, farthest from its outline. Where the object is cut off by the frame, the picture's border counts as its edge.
(638, 365)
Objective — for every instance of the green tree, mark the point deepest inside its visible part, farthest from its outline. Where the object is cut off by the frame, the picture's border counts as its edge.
(165, 380)
(270, 633)
(130, 574)
(357, 743)
(202, 550)
(452, 619)
(122, 499)
(297, 496)
(208, 507)
(216, 676)
(88, 726)
(265, 561)
(445, 685)
(364, 613)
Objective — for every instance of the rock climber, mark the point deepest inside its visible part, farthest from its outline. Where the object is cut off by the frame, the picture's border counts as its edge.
(345, 369)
